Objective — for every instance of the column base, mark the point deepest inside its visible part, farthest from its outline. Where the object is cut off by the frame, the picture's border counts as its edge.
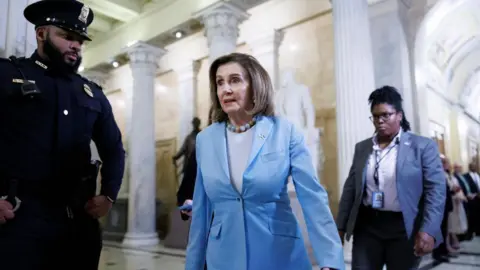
(140, 240)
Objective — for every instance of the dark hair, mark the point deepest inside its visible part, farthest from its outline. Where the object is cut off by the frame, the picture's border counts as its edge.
(259, 82)
(389, 95)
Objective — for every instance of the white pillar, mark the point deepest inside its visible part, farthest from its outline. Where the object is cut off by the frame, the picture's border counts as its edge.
(264, 47)
(412, 15)
(354, 79)
(221, 22)
(17, 35)
(141, 158)
(187, 90)
(391, 52)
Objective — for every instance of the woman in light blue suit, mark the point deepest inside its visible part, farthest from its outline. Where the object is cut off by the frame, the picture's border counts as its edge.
(241, 217)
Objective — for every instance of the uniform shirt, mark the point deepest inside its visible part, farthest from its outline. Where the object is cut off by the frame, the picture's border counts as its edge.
(386, 174)
(45, 140)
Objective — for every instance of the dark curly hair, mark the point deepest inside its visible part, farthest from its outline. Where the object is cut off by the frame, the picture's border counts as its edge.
(389, 95)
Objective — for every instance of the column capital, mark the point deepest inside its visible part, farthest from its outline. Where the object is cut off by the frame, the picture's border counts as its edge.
(95, 76)
(266, 41)
(143, 53)
(221, 20)
(187, 71)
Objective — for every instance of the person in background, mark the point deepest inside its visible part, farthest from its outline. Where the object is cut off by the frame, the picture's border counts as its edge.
(242, 218)
(464, 184)
(393, 199)
(440, 253)
(49, 115)
(473, 204)
(189, 169)
(457, 218)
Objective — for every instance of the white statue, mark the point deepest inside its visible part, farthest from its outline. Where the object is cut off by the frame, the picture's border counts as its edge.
(293, 101)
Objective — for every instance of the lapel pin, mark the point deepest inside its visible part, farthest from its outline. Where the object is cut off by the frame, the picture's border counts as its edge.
(407, 143)
(261, 136)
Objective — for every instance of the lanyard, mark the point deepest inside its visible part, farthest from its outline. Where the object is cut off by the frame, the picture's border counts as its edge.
(377, 162)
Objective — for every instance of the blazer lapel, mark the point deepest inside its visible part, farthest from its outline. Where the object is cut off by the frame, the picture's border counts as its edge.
(402, 154)
(263, 128)
(363, 163)
(220, 147)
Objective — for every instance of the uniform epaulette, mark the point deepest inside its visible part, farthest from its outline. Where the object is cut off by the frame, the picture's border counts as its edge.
(90, 82)
(12, 59)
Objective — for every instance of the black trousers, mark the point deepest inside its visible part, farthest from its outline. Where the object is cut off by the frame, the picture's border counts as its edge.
(42, 237)
(380, 239)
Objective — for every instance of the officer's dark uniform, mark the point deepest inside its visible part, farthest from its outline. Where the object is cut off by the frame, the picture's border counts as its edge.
(45, 145)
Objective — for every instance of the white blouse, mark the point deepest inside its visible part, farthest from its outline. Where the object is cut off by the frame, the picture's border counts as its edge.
(239, 148)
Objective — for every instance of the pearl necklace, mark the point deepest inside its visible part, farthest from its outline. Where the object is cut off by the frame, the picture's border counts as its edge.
(242, 128)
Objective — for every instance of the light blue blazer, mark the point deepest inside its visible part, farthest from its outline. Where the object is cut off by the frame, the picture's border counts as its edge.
(257, 230)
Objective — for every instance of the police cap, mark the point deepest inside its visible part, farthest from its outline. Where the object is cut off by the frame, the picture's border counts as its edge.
(70, 15)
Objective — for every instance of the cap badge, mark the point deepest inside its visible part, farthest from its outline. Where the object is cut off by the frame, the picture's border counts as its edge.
(84, 14)
(87, 90)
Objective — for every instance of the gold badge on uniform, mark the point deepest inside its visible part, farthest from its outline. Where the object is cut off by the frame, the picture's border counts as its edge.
(84, 14)
(87, 90)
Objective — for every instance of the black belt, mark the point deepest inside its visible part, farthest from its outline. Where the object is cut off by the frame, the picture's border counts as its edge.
(368, 210)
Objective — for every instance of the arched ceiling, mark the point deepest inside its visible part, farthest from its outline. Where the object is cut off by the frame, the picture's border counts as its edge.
(451, 48)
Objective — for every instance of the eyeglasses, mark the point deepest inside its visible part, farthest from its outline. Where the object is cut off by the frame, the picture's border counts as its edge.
(383, 116)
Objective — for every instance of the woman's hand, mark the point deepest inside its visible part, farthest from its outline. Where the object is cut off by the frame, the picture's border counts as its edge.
(188, 213)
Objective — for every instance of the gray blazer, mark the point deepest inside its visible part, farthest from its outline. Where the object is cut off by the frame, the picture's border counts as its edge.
(420, 186)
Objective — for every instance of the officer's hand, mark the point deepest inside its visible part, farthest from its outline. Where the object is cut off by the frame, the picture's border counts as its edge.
(424, 244)
(6, 211)
(98, 206)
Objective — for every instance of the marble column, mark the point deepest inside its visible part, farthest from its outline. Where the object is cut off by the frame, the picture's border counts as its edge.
(354, 79)
(221, 22)
(412, 14)
(264, 47)
(187, 90)
(141, 146)
(391, 52)
(11, 25)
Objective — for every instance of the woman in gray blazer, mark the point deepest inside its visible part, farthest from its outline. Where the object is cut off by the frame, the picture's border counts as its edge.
(393, 199)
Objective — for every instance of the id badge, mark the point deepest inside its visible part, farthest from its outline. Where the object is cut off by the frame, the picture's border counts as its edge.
(377, 200)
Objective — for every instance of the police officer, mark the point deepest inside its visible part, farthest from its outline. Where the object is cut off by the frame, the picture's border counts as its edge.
(48, 116)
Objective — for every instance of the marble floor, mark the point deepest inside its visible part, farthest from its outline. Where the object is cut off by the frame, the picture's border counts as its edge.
(159, 258)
